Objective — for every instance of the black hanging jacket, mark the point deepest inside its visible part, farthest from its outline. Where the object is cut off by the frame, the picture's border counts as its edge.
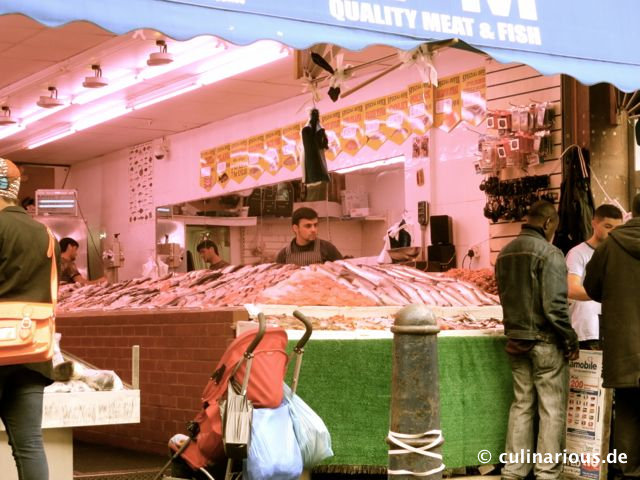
(576, 201)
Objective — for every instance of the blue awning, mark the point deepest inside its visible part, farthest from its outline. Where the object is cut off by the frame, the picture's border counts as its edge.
(591, 40)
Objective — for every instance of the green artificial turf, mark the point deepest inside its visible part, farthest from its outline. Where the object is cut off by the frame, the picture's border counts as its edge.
(348, 383)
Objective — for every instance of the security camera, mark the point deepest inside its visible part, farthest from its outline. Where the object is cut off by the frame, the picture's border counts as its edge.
(160, 149)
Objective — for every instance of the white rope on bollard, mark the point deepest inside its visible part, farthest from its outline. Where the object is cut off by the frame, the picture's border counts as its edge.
(396, 439)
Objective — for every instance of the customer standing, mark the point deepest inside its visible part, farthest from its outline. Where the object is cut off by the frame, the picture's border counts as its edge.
(25, 274)
(584, 312)
(532, 283)
(613, 279)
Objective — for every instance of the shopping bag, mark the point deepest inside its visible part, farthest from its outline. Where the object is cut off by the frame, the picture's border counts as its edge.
(274, 453)
(237, 413)
(27, 328)
(311, 433)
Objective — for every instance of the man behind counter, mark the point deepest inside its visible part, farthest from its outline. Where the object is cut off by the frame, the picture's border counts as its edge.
(69, 271)
(306, 248)
(208, 250)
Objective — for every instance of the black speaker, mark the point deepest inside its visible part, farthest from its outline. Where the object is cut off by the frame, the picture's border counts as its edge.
(441, 230)
(441, 257)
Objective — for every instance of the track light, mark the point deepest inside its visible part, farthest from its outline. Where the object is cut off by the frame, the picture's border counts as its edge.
(52, 101)
(97, 81)
(160, 58)
(5, 118)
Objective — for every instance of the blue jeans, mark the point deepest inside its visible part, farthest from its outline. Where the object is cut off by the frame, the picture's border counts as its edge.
(540, 384)
(21, 394)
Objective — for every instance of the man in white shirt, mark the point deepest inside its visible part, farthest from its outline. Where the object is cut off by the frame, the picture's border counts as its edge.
(585, 312)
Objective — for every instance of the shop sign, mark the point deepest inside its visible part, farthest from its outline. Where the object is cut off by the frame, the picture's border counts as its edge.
(273, 150)
(447, 103)
(473, 96)
(397, 126)
(223, 160)
(257, 163)
(375, 114)
(291, 146)
(239, 167)
(420, 107)
(207, 169)
(352, 135)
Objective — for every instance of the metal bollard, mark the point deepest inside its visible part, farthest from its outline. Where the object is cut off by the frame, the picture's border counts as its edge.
(414, 427)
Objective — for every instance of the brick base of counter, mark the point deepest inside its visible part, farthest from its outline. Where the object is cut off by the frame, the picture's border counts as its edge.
(178, 353)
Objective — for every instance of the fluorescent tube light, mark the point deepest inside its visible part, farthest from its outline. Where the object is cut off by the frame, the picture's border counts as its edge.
(100, 117)
(366, 166)
(8, 131)
(166, 96)
(51, 138)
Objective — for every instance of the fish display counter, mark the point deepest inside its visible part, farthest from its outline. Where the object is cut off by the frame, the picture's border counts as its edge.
(183, 324)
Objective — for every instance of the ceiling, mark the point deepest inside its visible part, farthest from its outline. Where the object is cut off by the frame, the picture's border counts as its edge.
(34, 57)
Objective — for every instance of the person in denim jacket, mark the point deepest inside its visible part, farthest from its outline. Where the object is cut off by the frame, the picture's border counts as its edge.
(532, 283)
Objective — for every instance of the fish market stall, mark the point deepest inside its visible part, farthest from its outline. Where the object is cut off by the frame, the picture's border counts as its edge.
(184, 323)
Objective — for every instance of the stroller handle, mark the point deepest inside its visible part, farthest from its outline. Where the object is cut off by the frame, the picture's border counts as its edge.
(262, 326)
(307, 334)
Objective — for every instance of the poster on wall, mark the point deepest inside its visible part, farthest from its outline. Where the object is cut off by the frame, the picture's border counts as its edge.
(141, 183)
(352, 136)
(447, 103)
(420, 107)
(291, 146)
(331, 123)
(257, 163)
(420, 146)
(239, 164)
(375, 114)
(223, 159)
(397, 127)
(473, 94)
(208, 174)
(273, 151)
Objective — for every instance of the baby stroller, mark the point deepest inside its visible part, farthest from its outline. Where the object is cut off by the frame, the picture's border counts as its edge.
(250, 374)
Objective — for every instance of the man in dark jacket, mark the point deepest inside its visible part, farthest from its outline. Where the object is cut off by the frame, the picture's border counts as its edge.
(613, 278)
(25, 274)
(532, 283)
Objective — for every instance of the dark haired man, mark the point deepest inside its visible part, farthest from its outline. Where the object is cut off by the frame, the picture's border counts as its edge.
(613, 277)
(69, 272)
(306, 248)
(584, 312)
(532, 283)
(208, 250)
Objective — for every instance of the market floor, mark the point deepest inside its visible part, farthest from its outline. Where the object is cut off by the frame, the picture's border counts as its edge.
(99, 462)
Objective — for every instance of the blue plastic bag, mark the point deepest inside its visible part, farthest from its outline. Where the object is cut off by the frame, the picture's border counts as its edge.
(311, 432)
(274, 453)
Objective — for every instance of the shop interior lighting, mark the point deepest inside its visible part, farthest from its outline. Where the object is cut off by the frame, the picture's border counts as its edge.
(52, 138)
(5, 117)
(232, 63)
(8, 131)
(367, 166)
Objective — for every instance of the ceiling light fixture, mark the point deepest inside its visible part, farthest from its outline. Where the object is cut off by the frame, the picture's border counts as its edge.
(5, 118)
(97, 81)
(166, 96)
(7, 132)
(160, 58)
(243, 60)
(52, 138)
(101, 117)
(52, 101)
(367, 166)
